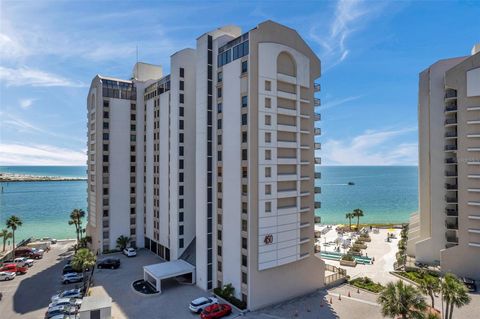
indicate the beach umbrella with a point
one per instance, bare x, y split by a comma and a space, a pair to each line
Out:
391, 230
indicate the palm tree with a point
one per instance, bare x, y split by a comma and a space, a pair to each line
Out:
76, 219
349, 216
399, 299
83, 260
13, 222
430, 285
358, 213
122, 242
455, 294
5, 234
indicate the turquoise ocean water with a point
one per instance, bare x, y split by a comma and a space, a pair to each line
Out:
385, 194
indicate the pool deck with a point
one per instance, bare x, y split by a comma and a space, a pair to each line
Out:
383, 252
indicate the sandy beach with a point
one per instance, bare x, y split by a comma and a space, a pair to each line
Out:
10, 177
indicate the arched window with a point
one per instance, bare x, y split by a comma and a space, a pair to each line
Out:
286, 64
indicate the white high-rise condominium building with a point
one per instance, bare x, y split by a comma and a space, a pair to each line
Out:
446, 231
214, 163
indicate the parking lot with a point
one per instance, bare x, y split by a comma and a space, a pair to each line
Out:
127, 303
28, 296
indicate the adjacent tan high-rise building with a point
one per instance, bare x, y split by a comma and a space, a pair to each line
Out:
446, 231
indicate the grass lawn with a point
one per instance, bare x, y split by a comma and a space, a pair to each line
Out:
367, 284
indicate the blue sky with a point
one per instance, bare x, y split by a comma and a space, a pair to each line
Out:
371, 54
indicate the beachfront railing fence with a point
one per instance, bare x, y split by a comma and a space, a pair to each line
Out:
339, 275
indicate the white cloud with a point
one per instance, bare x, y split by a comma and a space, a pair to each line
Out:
17, 154
26, 103
329, 104
27, 76
349, 16
371, 148
10, 48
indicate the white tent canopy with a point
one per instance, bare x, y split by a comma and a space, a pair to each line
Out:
166, 270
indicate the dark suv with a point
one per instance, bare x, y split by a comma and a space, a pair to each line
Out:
470, 283
112, 263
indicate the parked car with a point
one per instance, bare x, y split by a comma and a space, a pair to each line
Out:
112, 263
60, 310
216, 311
70, 293
50, 239
67, 269
23, 261
470, 283
201, 303
66, 302
62, 316
28, 252
72, 277
14, 268
130, 252
7, 275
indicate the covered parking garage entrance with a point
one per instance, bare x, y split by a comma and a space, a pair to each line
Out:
170, 269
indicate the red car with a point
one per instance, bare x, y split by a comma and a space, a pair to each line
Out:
14, 268
216, 311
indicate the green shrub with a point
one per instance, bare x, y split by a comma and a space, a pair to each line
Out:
367, 284
227, 293
348, 257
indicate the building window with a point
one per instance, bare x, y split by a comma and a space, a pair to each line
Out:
181, 124
219, 156
105, 191
219, 234
244, 119
244, 260
132, 107
219, 250
244, 189
219, 139
268, 120
182, 99
133, 138
219, 124
105, 136
132, 117
180, 230
180, 190
180, 217
244, 101
268, 207
219, 92
105, 125
105, 147
180, 243
182, 85
244, 225
219, 108
106, 114
244, 278
268, 189
268, 137
244, 155
268, 102
244, 66
268, 155
244, 243
182, 72
180, 164
244, 137
180, 151
105, 158
219, 77
181, 111
244, 172
219, 266
180, 203
180, 137
268, 85
268, 172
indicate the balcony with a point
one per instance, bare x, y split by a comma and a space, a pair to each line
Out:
318, 146
318, 175
450, 186
318, 160
451, 212
317, 131
451, 134
317, 87
450, 148
450, 108
451, 225
318, 205
317, 117
451, 238
451, 121
451, 199
318, 190
285, 193
286, 177
286, 128
316, 102
451, 160
450, 93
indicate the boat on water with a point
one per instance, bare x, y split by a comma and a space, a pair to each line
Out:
351, 183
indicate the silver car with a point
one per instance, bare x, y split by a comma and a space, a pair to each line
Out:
72, 277
6, 275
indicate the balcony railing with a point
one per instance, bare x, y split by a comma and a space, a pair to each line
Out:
318, 175
450, 186
449, 93
451, 238
450, 121
318, 205
451, 225
451, 199
450, 108
451, 134
317, 117
317, 102
318, 190
450, 174
318, 160
317, 87
318, 146
451, 160
450, 147
452, 212
318, 131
